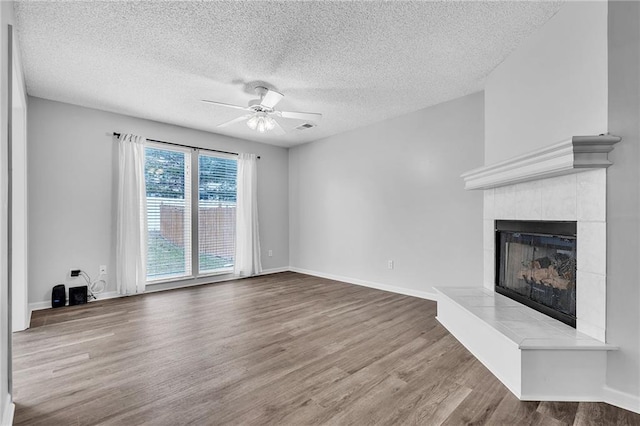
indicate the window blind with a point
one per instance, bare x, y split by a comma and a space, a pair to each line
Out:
216, 212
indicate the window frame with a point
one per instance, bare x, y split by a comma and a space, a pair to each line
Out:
188, 164
195, 238
194, 177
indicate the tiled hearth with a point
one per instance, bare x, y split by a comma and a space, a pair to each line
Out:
528, 328
535, 356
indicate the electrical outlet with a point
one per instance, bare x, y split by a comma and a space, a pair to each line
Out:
270, 253
103, 269
390, 264
74, 272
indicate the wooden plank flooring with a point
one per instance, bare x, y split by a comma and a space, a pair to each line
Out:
286, 349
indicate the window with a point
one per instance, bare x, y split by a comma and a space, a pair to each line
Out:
216, 212
173, 236
168, 184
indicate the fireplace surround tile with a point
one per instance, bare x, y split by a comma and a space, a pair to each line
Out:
528, 201
592, 330
522, 325
505, 201
592, 247
591, 190
559, 198
584, 194
489, 269
591, 292
488, 204
488, 234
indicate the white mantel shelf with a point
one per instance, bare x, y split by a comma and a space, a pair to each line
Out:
580, 153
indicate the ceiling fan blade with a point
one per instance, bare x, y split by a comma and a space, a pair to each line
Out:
304, 116
271, 99
234, 121
225, 105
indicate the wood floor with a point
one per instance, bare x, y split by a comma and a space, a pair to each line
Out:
284, 349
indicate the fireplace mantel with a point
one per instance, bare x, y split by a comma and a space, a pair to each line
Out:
580, 153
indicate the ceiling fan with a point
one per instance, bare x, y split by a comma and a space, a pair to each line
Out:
262, 115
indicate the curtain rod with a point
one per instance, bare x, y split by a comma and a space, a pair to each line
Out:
117, 135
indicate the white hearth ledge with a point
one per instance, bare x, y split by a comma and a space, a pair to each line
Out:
537, 357
580, 153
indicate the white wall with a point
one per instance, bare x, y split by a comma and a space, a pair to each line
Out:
72, 166
579, 75
553, 87
623, 204
392, 191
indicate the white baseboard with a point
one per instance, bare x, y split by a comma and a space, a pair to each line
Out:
385, 287
622, 399
9, 411
370, 284
274, 270
36, 306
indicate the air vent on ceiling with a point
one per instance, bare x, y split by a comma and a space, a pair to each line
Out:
305, 126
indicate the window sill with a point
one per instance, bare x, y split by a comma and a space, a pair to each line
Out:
227, 271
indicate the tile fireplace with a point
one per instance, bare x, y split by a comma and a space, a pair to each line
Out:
545, 235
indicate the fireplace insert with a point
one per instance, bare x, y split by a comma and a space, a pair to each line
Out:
536, 266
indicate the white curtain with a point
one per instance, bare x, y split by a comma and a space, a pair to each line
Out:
131, 244
247, 256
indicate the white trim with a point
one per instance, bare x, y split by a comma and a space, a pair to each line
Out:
164, 146
378, 286
174, 278
182, 284
9, 411
274, 271
560, 398
204, 281
37, 306
621, 399
19, 245
577, 154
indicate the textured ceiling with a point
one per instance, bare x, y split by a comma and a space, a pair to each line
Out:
355, 62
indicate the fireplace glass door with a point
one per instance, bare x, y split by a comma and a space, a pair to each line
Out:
536, 265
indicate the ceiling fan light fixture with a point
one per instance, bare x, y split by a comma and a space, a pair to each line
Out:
261, 122
270, 123
252, 123
261, 127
